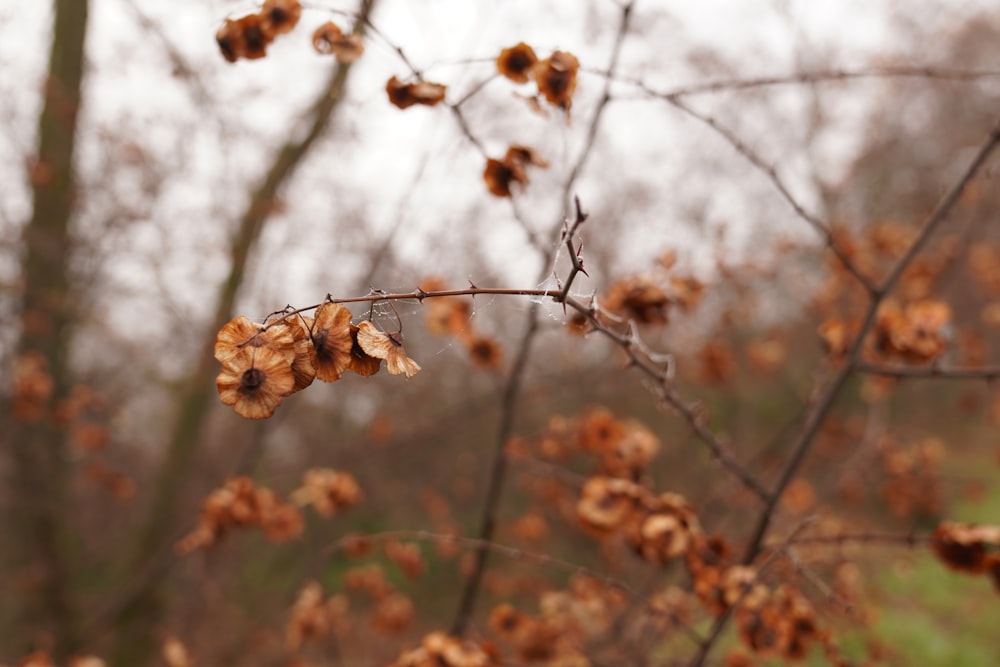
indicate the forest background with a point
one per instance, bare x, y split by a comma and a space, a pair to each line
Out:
740, 412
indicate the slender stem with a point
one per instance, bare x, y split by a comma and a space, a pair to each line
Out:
771, 173
932, 372
498, 473
514, 381
804, 442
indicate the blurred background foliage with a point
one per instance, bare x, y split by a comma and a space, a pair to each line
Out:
183, 215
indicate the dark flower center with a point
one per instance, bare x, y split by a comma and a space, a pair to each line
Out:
319, 339
255, 38
252, 379
519, 61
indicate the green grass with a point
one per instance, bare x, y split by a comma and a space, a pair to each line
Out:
932, 616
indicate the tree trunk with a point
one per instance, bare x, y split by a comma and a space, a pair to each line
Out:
42, 551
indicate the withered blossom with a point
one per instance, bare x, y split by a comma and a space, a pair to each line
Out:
382, 345
329, 39
243, 38
279, 16
331, 338
556, 78
516, 62
404, 95
254, 381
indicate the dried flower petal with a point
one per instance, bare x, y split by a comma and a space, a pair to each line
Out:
329, 39
524, 155
240, 333
382, 345
331, 337
361, 363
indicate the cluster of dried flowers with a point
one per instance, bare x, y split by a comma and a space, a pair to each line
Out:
913, 484
366, 591
451, 316
264, 363
616, 505
249, 36
315, 617
969, 548
440, 650
242, 504
567, 621
911, 327
648, 298
554, 76
917, 332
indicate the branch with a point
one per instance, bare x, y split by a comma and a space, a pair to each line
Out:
988, 373
907, 539
826, 76
513, 385
772, 175
498, 474
803, 444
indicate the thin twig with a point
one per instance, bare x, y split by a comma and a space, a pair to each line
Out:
720, 622
498, 473
512, 388
348, 542
772, 175
814, 420
900, 539
821, 76
987, 373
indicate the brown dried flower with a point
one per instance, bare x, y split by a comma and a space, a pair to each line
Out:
243, 38
327, 490
328, 39
361, 363
404, 95
966, 547
500, 174
241, 333
382, 345
406, 556
485, 352
516, 62
254, 381
279, 16
556, 78
331, 338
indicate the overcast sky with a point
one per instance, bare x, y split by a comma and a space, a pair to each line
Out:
209, 137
